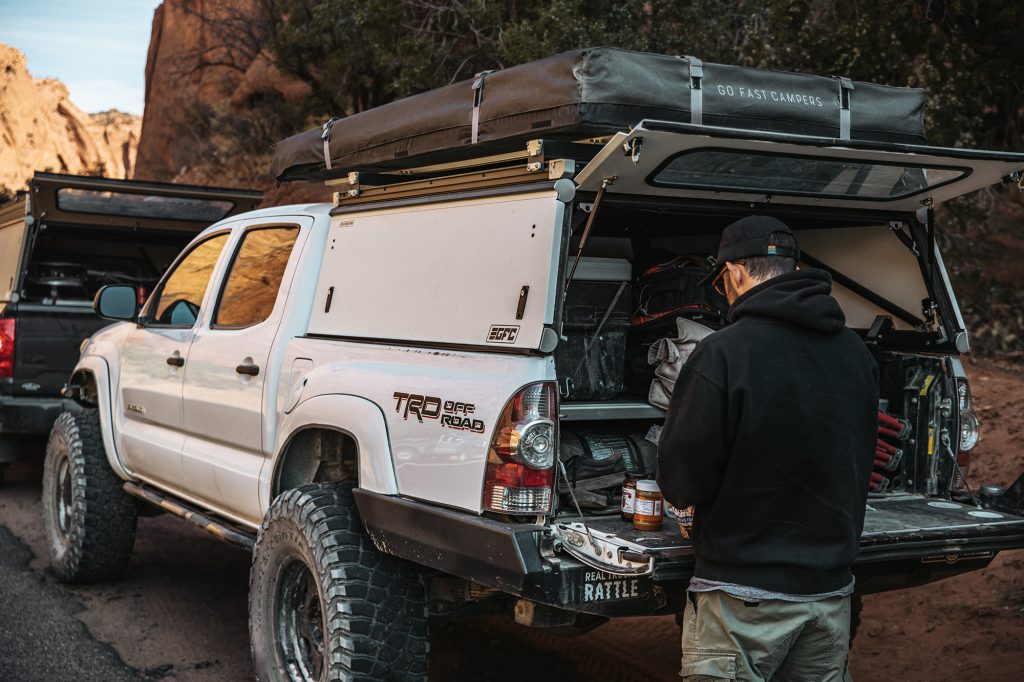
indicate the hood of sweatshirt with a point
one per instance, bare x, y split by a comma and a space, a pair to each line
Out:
803, 298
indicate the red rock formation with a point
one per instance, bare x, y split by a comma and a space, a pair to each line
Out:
187, 33
41, 129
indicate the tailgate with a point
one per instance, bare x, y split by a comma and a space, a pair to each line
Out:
911, 537
934, 530
46, 346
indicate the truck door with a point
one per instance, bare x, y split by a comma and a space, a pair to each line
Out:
153, 365
230, 366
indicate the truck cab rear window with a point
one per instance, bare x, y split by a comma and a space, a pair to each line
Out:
251, 288
73, 199
732, 170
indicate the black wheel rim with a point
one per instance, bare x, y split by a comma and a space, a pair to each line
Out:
63, 500
300, 624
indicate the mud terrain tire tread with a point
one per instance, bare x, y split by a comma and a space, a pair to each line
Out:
101, 527
374, 604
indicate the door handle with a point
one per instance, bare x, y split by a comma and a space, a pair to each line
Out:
176, 361
251, 370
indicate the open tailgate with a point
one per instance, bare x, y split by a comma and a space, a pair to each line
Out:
904, 536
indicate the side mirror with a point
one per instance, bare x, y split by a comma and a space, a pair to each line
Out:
116, 302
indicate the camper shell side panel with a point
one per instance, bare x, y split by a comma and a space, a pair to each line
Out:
486, 270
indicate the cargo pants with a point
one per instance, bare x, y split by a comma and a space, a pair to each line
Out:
725, 638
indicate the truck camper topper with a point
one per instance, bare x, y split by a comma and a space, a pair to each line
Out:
595, 92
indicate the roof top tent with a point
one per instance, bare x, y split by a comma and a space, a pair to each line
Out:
591, 93
677, 148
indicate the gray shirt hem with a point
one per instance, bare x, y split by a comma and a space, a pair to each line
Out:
747, 593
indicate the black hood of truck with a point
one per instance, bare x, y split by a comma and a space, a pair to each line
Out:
802, 297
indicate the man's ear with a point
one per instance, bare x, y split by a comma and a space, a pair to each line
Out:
737, 272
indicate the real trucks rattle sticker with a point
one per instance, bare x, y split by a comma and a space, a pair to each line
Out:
503, 333
452, 414
600, 586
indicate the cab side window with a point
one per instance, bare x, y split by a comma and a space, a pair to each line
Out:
252, 283
177, 304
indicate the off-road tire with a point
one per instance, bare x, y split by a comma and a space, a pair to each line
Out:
364, 611
88, 518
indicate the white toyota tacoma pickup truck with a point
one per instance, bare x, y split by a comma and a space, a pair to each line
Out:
375, 395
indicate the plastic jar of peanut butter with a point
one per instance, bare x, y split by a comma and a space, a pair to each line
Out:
649, 508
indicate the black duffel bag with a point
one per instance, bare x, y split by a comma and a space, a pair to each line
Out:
673, 288
665, 292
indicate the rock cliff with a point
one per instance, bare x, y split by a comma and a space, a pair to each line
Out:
204, 71
42, 129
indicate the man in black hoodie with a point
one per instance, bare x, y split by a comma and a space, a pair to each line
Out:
770, 434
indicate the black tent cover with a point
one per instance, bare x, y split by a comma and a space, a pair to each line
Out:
593, 92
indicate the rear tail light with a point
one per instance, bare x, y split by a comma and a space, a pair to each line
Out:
970, 428
6, 348
521, 461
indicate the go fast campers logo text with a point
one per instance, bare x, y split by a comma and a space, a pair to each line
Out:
453, 414
770, 95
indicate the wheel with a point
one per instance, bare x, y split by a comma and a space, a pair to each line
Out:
88, 519
324, 604
3, 473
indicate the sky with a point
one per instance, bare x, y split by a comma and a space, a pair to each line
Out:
96, 47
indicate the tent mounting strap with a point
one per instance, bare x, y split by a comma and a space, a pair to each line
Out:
845, 88
326, 137
696, 69
478, 97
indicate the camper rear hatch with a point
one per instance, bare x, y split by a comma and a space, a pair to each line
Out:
80, 200
665, 159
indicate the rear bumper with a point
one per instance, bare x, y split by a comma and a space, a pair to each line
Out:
517, 559
520, 559
30, 416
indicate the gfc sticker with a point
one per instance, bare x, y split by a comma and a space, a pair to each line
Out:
503, 333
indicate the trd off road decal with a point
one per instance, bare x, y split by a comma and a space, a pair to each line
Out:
503, 333
452, 414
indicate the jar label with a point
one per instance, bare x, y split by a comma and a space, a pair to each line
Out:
648, 507
628, 499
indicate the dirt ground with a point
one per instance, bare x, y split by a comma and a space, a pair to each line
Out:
180, 612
